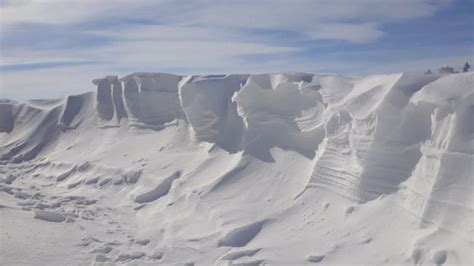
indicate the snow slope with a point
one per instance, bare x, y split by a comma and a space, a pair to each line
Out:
287, 168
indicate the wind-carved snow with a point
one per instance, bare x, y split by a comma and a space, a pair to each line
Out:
269, 106
278, 168
440, 189
372, 137
207, 103
161, 190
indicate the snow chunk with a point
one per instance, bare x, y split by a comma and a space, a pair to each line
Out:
48, 216
161, 190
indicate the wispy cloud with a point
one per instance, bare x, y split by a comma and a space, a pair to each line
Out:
357, 33
33, 66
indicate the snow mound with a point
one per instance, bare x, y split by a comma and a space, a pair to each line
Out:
283, 168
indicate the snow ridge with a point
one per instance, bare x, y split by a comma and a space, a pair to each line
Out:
226, 161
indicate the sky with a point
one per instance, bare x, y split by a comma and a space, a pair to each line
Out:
53, 48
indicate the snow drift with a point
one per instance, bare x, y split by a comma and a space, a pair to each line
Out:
270, 168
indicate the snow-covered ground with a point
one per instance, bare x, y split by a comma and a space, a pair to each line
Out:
284, 169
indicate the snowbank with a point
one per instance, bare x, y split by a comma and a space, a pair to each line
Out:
282, 168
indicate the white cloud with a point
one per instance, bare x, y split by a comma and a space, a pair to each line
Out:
68, 11
186, 53
153, 53
303, 16
356, 33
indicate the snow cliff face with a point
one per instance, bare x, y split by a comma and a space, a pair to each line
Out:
402, 140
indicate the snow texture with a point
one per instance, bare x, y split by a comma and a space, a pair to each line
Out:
285, 168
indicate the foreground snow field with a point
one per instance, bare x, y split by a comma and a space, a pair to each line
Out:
288, 169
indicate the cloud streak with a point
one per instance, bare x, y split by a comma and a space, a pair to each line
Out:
33, 66
356, 33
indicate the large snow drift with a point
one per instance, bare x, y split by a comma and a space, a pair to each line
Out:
272, 168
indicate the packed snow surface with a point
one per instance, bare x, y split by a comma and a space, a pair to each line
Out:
289, 168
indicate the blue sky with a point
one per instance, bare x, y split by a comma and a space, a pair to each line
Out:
54, 48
